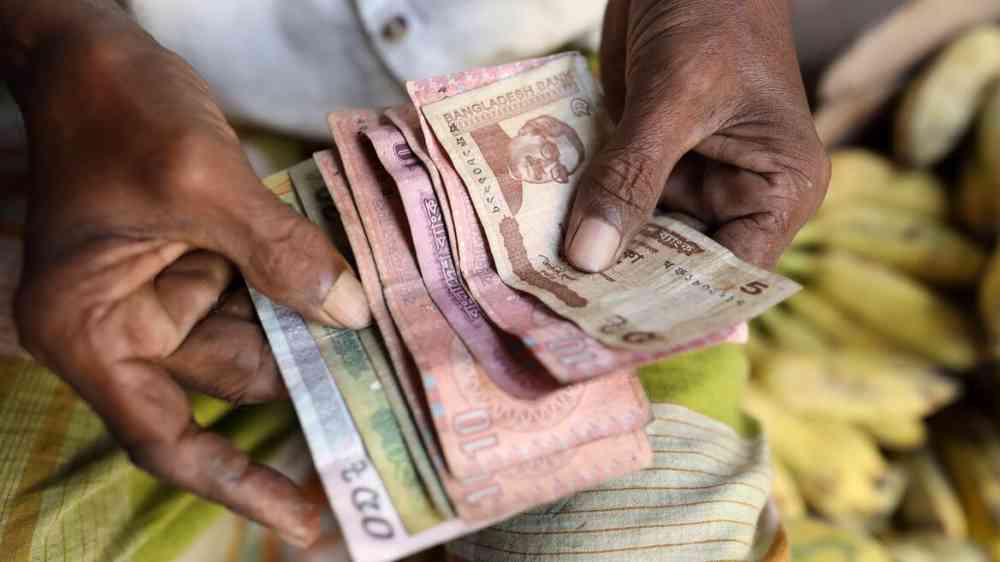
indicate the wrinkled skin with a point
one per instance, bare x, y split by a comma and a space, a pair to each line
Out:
712, 122
142, 204
143, 208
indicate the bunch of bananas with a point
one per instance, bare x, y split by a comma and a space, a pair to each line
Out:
900, 310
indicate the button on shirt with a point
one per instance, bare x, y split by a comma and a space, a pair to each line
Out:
285, 64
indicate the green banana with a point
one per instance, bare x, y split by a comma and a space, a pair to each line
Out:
923, 247
899, 308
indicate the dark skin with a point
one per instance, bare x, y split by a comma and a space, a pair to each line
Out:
143, 208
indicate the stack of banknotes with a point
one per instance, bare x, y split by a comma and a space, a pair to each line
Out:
496, 377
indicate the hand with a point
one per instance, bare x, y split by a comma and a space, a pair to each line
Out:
712, 121
143, 202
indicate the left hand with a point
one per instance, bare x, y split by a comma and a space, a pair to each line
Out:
712, 121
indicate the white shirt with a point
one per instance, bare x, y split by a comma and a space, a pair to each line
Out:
285, 64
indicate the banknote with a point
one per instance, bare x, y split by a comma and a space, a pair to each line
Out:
488, 496
315, 198
347, 360
406, 376
481, 426
372, 526
520, 145
561, 346
503, 358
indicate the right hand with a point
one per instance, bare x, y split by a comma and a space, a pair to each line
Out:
142, 204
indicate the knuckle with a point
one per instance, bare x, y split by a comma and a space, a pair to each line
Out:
188, 163
623, 182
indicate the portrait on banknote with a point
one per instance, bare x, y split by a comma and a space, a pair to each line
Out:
544, 150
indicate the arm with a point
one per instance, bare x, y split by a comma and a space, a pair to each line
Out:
141, 210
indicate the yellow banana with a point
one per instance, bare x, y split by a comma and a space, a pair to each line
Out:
932, 547
989, 303
856, 386
979, 196
939, 106
897, 433
988, 142
812, 540
785, 493
931, 503
838, 326
860, 176
899, 308
791, 333
923, 247
838, 468
970, 449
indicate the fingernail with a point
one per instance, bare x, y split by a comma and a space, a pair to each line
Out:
346, 302
594, 247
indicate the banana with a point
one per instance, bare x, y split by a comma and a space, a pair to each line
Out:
930, 503
988, 141
899, 308
859, 176
979, 196
835, 324
838, 468
759, 347
989, 304
797, 263
858, 387
970, 449
897, 433
923, 247
791, 333
785, 493
812, 540
931, 547
938, 107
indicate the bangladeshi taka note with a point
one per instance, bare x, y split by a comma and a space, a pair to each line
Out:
520, 145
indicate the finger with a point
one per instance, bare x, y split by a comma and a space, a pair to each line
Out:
759, 215
150, 416
280, 253
190, 287
238, 305
227, 357
622, 185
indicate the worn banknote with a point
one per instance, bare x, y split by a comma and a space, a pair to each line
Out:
520, 145
489, 492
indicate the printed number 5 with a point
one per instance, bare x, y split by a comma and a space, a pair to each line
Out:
754, 287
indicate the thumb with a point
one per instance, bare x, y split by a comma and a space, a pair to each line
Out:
620, 188
289, 259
